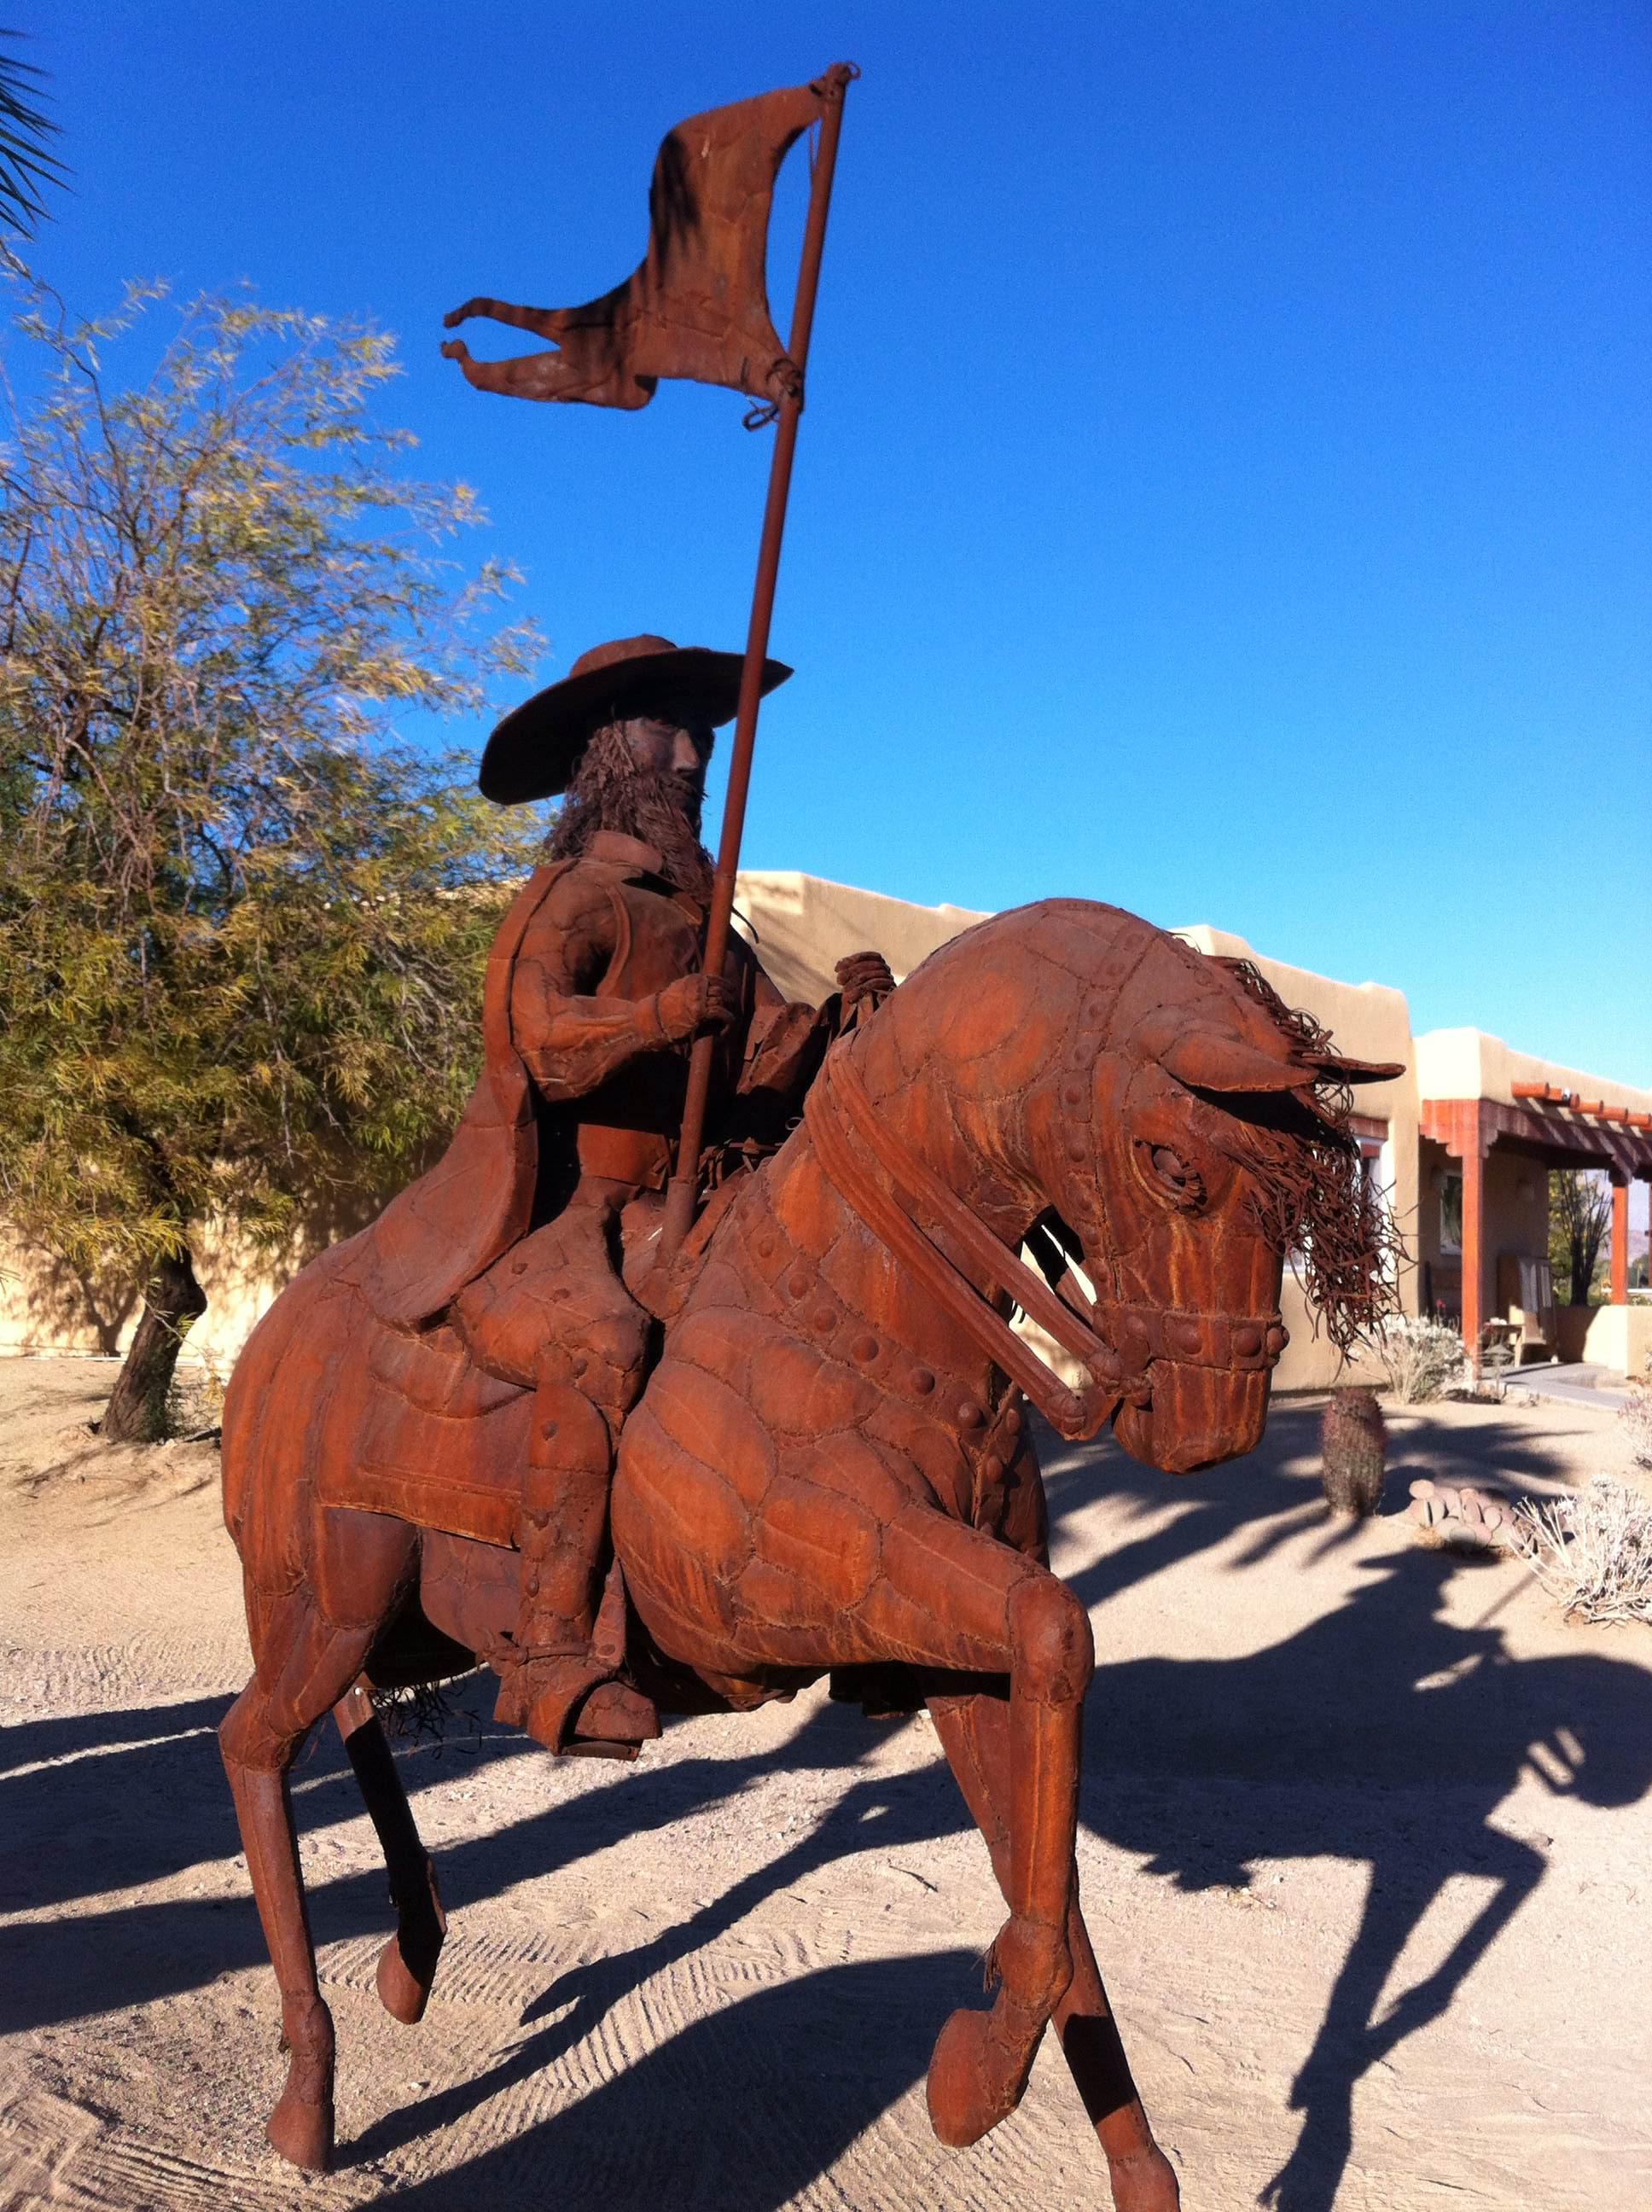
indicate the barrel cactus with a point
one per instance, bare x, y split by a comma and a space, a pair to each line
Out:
1352, 1440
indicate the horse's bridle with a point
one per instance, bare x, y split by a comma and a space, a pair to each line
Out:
888, 1188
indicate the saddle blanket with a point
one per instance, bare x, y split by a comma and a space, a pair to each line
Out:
439, 1443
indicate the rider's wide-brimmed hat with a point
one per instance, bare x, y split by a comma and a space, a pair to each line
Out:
535, 750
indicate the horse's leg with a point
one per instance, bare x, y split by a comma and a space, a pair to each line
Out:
314, 1663
976, 1737
309, 1644
942, 1595
407, 1964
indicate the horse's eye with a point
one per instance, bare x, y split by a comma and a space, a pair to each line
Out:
1170, 1173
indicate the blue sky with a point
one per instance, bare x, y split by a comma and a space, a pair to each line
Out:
1225, 486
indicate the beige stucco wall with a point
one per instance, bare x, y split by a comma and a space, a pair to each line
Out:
45, 1306
1619, 1337
803, 925
1469, 1064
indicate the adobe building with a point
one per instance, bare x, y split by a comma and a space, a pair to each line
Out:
1494, 1121
1459, 1145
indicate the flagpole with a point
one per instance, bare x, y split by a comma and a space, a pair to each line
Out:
682, 1190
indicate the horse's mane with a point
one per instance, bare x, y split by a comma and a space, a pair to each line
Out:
1313, 1201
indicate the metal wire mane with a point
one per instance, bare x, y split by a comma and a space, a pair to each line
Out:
1313, 1201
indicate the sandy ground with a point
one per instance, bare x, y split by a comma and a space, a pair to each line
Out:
1365, 1853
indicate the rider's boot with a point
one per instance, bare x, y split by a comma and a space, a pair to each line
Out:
562, 1687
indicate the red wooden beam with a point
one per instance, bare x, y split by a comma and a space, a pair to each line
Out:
1474, 1231
1549, 1094
1544, 1092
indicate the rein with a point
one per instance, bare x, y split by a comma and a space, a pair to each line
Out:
887, 1188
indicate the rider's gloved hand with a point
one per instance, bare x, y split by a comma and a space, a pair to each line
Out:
864, 976
695, 1003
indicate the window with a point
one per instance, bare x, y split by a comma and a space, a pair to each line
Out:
1451, 1215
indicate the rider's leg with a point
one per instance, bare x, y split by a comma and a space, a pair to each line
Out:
554, 1313
562, 1536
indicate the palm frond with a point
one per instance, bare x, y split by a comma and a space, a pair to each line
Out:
26, 163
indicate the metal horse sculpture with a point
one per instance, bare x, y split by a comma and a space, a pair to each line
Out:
831, 1468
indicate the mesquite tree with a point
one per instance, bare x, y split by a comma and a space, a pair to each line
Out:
1580, 1213
242, 926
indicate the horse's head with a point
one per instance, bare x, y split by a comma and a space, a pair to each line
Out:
1198, 1135
1167, 1122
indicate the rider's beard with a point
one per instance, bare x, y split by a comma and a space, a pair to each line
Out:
611, 791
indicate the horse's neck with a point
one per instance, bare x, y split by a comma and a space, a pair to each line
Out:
962, 1142
921, 1113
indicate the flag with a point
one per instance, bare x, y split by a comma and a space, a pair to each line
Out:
698, 305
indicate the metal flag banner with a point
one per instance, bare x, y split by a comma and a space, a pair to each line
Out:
698, 305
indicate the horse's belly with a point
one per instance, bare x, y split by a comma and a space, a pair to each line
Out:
471, 1592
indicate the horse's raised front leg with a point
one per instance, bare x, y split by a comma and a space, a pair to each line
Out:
407, 1964
947, 1596
975, 1734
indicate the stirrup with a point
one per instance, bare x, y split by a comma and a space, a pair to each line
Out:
571, 1703
615, 1722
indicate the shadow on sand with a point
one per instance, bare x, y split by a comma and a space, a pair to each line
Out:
1382, 1731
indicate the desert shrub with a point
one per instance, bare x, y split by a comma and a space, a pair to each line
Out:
1637, 1418
1593, 1551
1420, 1357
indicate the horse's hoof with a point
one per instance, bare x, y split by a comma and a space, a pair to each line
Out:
969, 2089
407, 1964
401, 1993
1146, 2181
303, 2131
302, 2126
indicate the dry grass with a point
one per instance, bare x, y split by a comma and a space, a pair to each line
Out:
1593, 1551
195, 1402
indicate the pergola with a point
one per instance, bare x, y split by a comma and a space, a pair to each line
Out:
1556, 1128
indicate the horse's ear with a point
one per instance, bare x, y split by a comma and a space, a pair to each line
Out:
1216, 1060
1332, 1064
